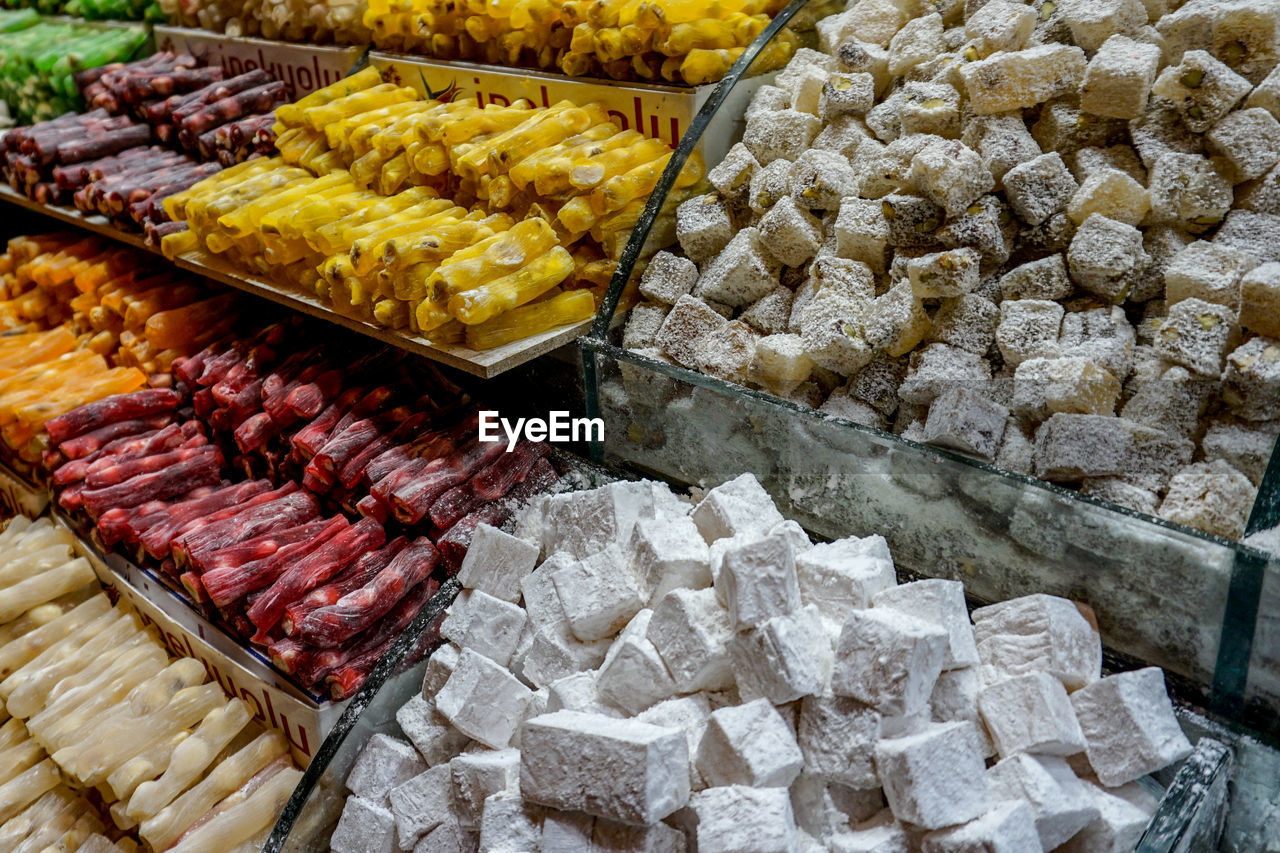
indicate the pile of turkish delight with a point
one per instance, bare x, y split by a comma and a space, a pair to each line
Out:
628, 671
1046, 234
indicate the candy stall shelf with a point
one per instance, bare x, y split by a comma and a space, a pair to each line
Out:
485, 364
20, 496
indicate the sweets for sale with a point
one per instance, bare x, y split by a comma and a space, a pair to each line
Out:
658, 41
366, 483
434, 217
94, 701
285, 20
38, 63
622, 657
1027, 236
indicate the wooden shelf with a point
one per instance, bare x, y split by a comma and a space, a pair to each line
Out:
485, 364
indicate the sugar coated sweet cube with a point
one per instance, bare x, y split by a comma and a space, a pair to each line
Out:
494, 627
784, 659
967, 322
1045, 278
781, 362
1070, 447
703, 226
1119, 77
1206, 271
1106, 256
742, 272
741, 819
478, 776
1256, 234
1038, 633
1212, 496
938, 367
951, 175
1002, 141
918, 40
780, 134
666, 554
384, 763
1111, 193
846, 94
634, 676
1251, 383
1202, 88
1248, 141
421, 804
1028, 328
496, 562
623, 770
749, 744
599, 595
689, 320
365, 827
819, 179
1260, 300
950, 273
1000, 25
1018, 79
933, 778
1006, 826
1072, 384
966, 420
792, 234
1129, 726
1196, 334
1186, 189
941, 602
930, 108
727, 352
769, 184
737, 507
1118, 826
843, 576
912, 220
732, 176
1092, 22
1040, 187
757, 580
1060, 803
807, 89
1030, 713
837, 736
483, 700
889, 660
668, 277
643, 323
769, 314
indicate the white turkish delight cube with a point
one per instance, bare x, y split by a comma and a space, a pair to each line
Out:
838, 737
842, 576
740, 819
1060, 802
736, 507
1030, 713
749, 744
784, 659
622, 770
478, 776
1202, 88
889, 660
934, 778
1007, 826
483, 700
384, 763
691, 630
599, 595
942, 602
1038, 632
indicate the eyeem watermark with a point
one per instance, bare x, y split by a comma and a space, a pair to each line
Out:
557, 427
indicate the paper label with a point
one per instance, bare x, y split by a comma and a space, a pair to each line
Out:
303, 68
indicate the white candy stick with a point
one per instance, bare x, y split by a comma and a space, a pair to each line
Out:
35, 563
20, 825
54, 729
87, 824
23, 649
18, 758
29, 696
245, 819
12, 733
109, 687
190, 759
14, 529
177, 817
101, 664
147, 765
106, 749
49, 830
45, 587
68, 645
26, 787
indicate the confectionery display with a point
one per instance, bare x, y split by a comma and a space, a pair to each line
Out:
454, 222
1043, 239
953, 329
628, 670
105, 732
38, 60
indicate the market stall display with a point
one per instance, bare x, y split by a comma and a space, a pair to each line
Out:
106, 733
630, 668
962, 227
38, 63
104, 161
439, 218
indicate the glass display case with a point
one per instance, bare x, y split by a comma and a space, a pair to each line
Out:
1204, 607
